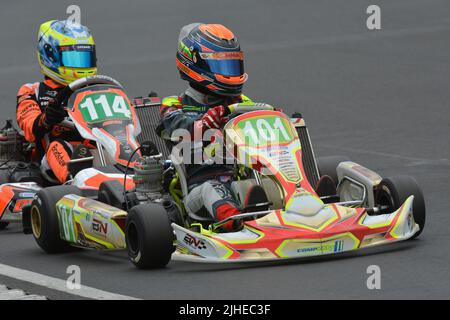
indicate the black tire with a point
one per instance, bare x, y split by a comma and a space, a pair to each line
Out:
394, 191
4, 176
149, 236
44, 219
327, 166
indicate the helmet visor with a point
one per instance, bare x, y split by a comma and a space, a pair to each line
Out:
78, 56
224, 63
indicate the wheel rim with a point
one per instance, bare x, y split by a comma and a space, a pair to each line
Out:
36, 224
133, 242
384, 198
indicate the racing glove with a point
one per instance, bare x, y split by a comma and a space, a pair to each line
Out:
53, 114
215, 117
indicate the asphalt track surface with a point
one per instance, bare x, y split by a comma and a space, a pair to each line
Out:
380, 97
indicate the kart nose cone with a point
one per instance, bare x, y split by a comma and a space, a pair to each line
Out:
304, 203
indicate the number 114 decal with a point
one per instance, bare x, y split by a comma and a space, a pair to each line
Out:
101, 109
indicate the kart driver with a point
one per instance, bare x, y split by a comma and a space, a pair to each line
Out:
210, 59
65, 52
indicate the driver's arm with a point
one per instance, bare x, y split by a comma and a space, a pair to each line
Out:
172, 116
30, 117
28, 112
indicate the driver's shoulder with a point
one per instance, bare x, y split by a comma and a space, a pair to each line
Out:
28, 88
31, 88
171, 101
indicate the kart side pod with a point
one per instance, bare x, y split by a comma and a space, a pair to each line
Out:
89, 223
357, 183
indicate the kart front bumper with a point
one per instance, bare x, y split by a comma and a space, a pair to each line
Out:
259, 242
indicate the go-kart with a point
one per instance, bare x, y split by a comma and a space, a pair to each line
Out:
312, 206
110, 128
20, 178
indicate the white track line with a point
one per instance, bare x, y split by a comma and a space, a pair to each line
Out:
59, 284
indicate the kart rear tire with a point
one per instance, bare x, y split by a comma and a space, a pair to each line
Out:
4, 225
395, 190
44, 218
327, 166
4, 178
149, 236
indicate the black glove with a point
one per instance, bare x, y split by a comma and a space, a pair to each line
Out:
54, 114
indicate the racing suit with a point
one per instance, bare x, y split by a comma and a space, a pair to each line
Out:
209, 190
54, 144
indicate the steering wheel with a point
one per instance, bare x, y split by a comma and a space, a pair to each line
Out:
65, 93
239, 108
235, 110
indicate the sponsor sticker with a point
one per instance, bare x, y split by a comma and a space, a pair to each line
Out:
99, 227
194, 242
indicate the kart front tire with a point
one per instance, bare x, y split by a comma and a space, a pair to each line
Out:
394, 191
327, 166
149, 236
44, 218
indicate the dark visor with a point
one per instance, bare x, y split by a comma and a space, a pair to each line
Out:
226, 67
224, 63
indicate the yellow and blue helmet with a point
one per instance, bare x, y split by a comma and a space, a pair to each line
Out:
66, 51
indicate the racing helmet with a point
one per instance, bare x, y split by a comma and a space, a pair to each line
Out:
66, 51
209, 55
